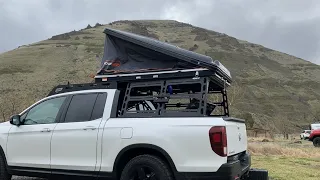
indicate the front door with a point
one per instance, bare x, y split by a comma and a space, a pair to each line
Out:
74, 140
28, 145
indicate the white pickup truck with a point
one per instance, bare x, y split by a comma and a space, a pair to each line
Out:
159, 130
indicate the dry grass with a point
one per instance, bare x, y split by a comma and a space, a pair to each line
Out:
285, 159
275, 149
259, 139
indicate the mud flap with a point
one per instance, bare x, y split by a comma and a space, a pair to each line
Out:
258, 174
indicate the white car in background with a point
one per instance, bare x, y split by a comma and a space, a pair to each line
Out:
305, 134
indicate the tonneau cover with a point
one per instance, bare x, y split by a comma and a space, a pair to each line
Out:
126, 52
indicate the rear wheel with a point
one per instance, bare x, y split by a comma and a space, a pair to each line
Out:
146, 167
4, 175
316, 142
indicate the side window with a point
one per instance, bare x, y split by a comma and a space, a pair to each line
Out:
81, 107
99, 106
44, 113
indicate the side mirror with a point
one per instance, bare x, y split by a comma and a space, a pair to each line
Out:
15, 120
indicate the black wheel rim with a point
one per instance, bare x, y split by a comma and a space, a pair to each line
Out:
143, 173
317, 142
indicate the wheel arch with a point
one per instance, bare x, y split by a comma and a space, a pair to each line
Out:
127, 153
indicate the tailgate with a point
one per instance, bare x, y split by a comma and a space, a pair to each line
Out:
236, 135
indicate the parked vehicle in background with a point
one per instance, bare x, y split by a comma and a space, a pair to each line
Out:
305, 134
315, 137
315, 126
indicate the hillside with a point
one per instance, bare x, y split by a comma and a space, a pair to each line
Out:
272, 86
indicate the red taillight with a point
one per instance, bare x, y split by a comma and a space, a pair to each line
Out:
218, 140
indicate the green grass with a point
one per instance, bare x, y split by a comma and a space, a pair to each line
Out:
284, 168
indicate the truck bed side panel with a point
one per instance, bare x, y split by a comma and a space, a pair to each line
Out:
186, 140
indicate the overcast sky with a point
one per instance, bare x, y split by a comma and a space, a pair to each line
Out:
291, 26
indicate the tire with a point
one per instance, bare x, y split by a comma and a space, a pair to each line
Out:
316, 142
146, 167
4, 175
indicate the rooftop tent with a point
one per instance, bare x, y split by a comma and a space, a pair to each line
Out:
126, 52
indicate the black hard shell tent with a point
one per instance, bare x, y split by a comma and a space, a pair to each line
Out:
126, 52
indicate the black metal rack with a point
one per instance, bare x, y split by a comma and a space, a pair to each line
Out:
113, 81
80, 87
199, 86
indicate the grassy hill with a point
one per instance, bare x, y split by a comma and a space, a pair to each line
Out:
275, 88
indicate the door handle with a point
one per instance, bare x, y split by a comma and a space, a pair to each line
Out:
89, 127
46, 130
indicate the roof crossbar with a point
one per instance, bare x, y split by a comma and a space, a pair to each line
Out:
79, 87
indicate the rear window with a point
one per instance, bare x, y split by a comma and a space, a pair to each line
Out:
80, 108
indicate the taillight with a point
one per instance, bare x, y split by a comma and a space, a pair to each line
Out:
218, 140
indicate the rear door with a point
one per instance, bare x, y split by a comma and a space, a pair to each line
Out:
74, 140
236, 135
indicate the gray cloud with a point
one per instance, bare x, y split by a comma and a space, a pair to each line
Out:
289, 26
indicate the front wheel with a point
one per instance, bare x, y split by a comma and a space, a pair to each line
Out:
146, 167
4, 175
316, 142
